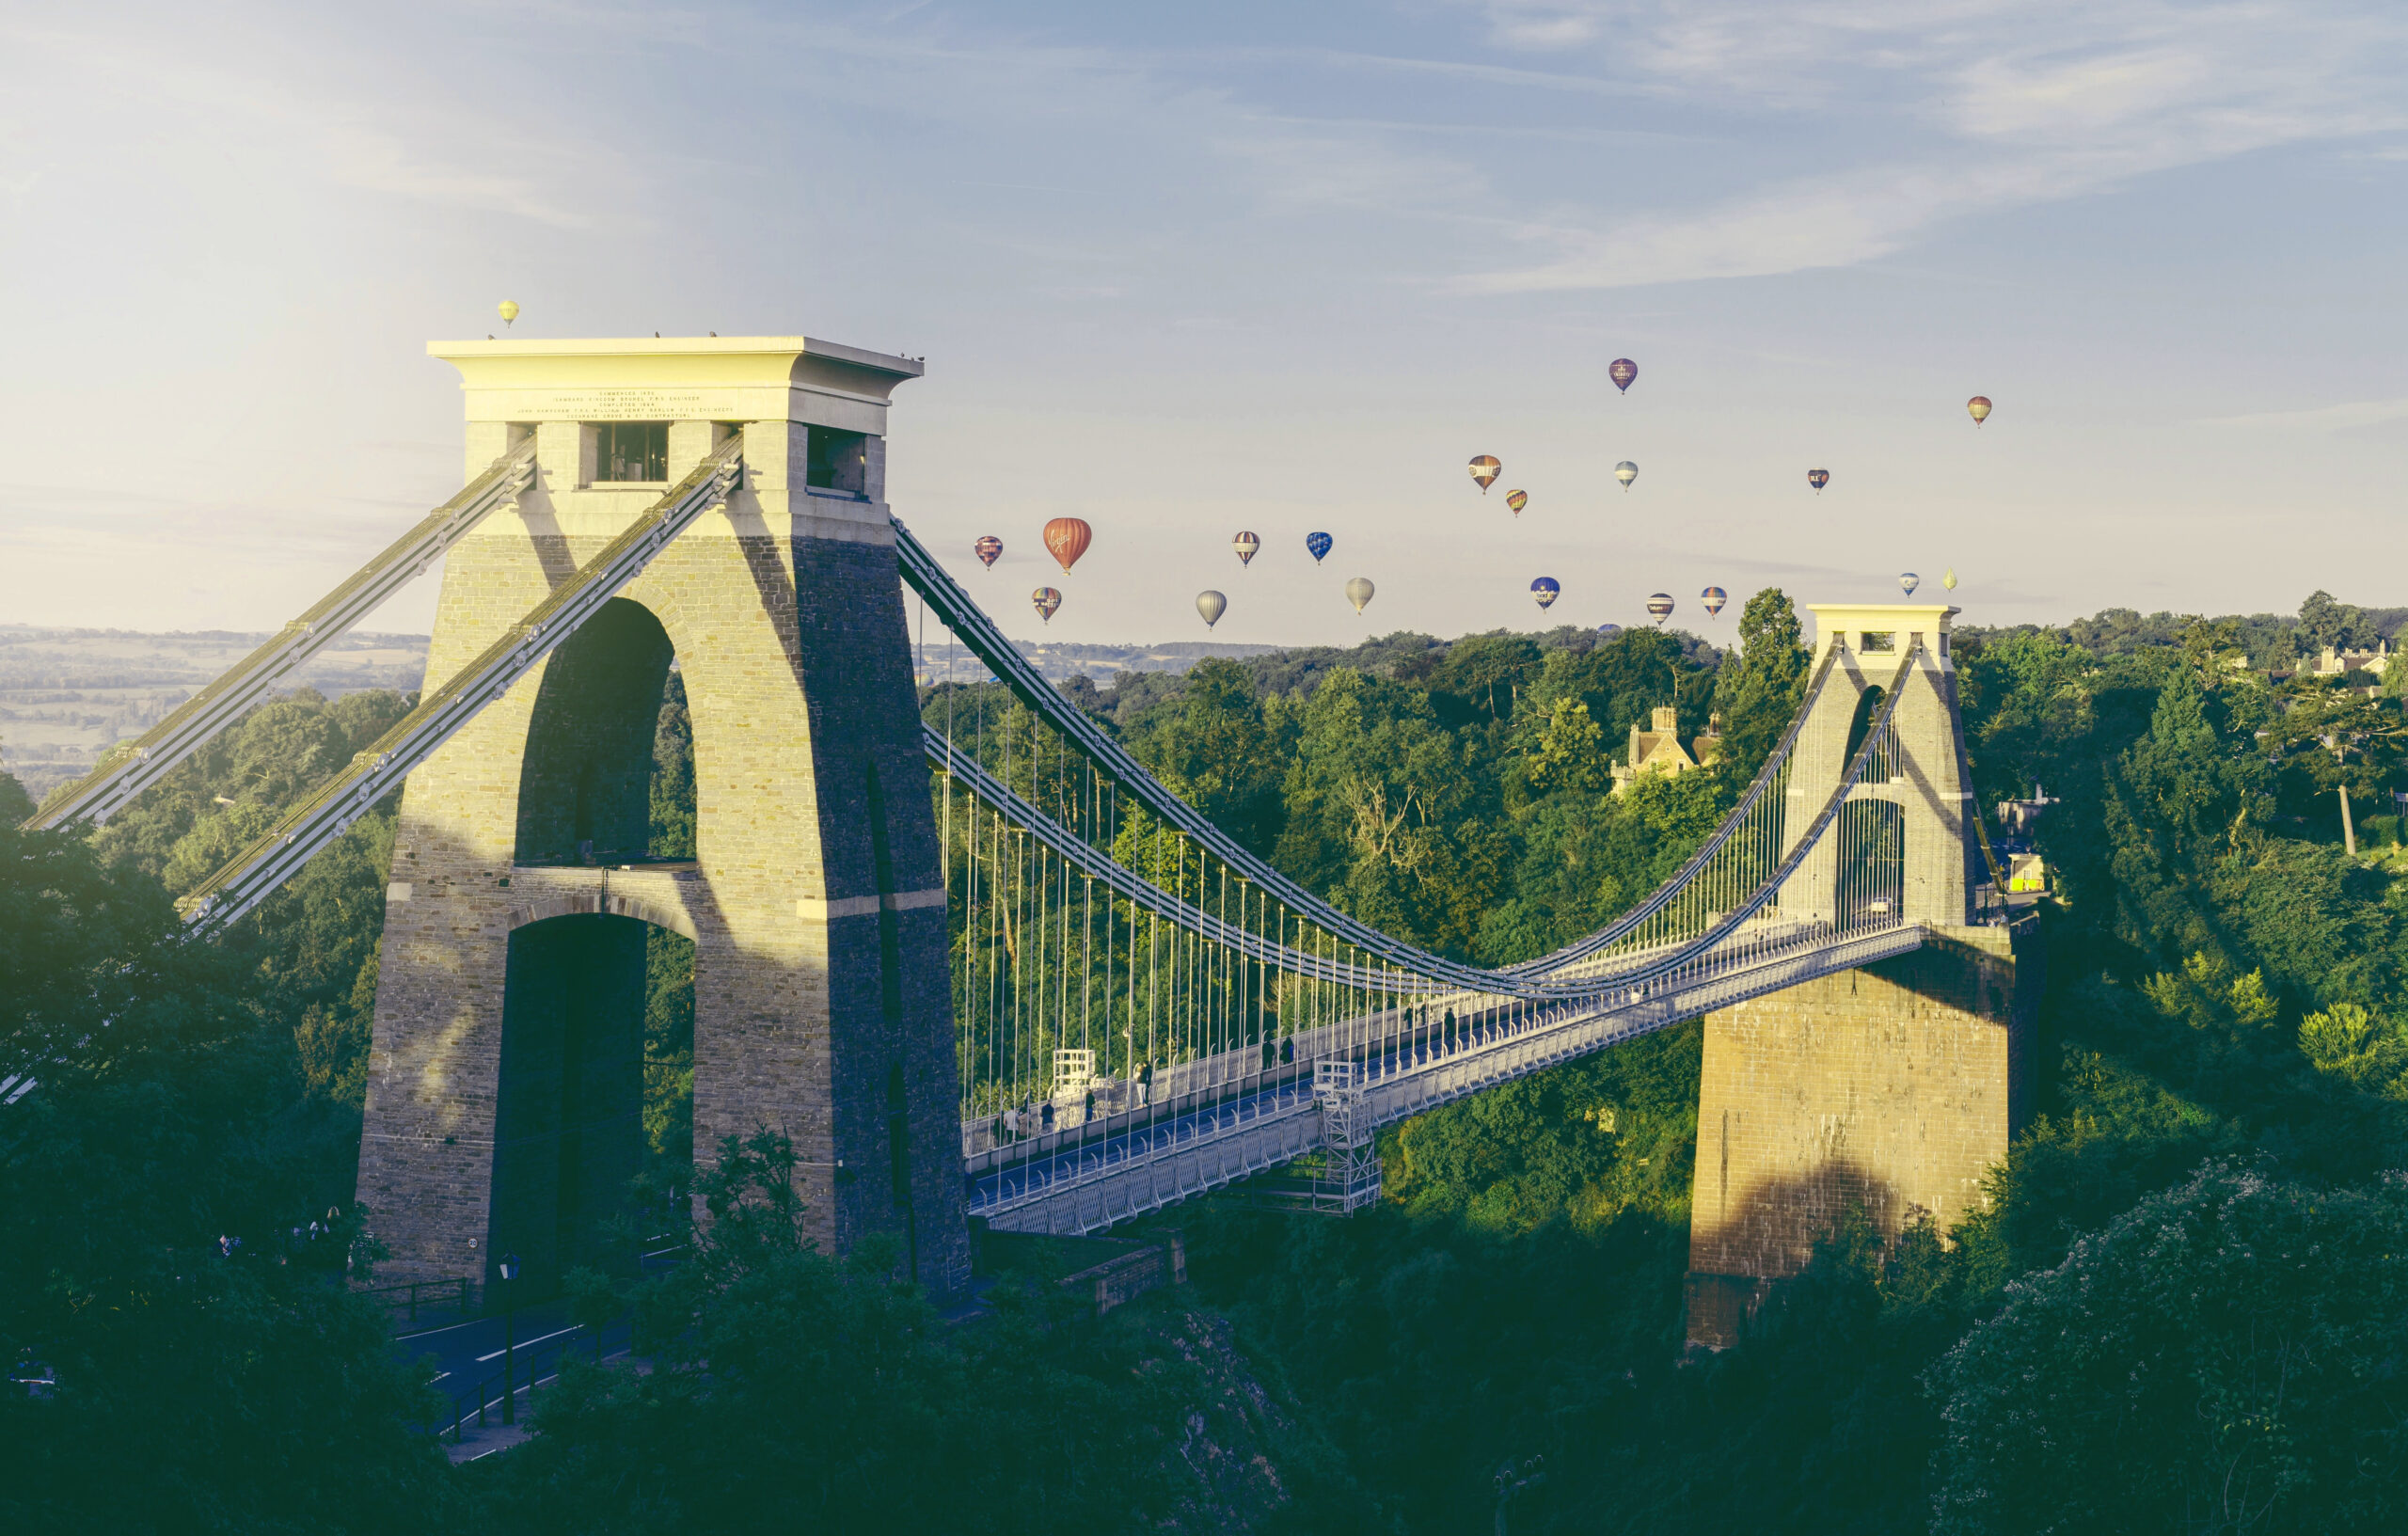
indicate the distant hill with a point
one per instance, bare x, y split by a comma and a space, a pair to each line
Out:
1060, 663
67, 695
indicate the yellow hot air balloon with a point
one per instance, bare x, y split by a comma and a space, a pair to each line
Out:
509, 310
1948, 579
1980, 408
1359, 591
1518, 500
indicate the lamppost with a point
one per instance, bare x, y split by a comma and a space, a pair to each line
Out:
509, 1337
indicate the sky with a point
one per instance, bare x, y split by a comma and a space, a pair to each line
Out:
1181, 271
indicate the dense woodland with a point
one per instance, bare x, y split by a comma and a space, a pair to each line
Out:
2186, 1309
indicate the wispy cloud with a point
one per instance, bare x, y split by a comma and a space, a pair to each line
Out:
2322, 419
1975, 106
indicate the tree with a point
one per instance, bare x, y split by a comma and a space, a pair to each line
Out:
196, 1389
2209, 1362
1759, 691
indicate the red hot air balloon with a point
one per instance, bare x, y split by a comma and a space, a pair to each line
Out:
1712, 599
1245, 544
1047, 600
1067, 539
990, 549
1818, 478
1518, 500
1622, 372
1485, 470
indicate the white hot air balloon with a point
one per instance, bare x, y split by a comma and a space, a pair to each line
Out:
1909, 581
1625, 471
1359, 591
1211, 604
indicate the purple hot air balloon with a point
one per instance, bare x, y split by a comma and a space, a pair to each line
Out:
989, 551
1545, 590
1622, 372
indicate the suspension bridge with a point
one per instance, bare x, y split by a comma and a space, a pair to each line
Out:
972, 957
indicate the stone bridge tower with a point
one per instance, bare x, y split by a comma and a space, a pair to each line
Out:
507, 1078
1891, 1089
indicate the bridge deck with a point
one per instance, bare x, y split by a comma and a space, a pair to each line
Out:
1089, 1179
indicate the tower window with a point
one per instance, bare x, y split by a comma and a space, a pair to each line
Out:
630, 451
839, 461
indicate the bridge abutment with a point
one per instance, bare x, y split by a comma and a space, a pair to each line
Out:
1886, 1091
1883, 1092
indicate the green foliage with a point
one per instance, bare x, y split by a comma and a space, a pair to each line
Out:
196, 1392
1759, 690
789, 1388
2215, 1359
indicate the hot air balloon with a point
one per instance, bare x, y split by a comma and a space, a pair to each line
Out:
1909, 581
1818, 478
989, 551
1358, 592
1317, 544
1485, 470
1245, 544
1713, 597
1068, 538
1980, 407
508, 310
1047, 600
1625, 471
1622, 372
1546, 589
1211, 604
1518, 500
1948, 579
1608, 631
1661, 604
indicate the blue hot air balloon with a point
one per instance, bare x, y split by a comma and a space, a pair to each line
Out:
1608, 631
1546, 589
1317, 544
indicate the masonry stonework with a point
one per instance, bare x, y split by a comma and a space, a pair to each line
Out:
1892, 1089
822, 1006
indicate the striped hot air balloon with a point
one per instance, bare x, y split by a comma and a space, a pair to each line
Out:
1625, 471
1712, 599
1211, 604
1518, 500
1067, 539
989, 551
1047, 601
1546, 589
1980, 408
1317, 544
1661, 604
1247, 544
1485, 470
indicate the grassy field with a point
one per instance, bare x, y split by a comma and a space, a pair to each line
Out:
67, 695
